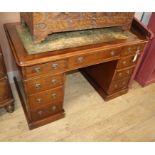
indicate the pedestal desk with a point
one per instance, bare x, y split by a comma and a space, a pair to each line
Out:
107, 66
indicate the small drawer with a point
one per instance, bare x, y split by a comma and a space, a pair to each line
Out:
132, 49
2, 69
91, 59
52, 96
5, 92
51, 67
118, 85
46, 111
43, 83
123, 73
126, 62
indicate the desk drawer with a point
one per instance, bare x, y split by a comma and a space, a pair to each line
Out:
132, 49
85, 60
46, 111
43, 83
123, 73
47, 97
126, 62
51, 67
118, 85
2, 70
4, 89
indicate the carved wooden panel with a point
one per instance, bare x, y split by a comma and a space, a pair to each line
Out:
43, 23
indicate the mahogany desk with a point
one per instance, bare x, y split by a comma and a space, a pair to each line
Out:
107, 66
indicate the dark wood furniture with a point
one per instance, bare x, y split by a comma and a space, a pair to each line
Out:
43, 23
6, 98
146, 71
107, 66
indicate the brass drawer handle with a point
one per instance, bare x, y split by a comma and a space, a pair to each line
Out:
116, 86
54, 81
37, 69
40, 112
39, 100
55, 66
112, 53
37, 85
120, 74
41, 26
54, 95
123, 83
124, 62
54, 108
136, 55
128, 72
80, 59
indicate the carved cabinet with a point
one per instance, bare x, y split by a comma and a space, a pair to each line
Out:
43, 23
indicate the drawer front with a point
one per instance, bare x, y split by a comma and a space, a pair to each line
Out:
47, 97
118, 85
5, 92
43, 83
2, 70
126, 62
123, 73
91, 59
51, 67
46, 111
132, 49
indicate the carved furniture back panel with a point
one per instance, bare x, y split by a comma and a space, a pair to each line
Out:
42, 23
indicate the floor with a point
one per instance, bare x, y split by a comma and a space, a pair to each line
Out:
130, 117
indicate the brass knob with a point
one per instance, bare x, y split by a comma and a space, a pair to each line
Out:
112, 53
128, 72
124, 62
54, 108
115, 85
123, 83
37, 69
40, 112
39, 100
54, 95
54, 81
41, 26
120, 74
55, 66
37, 85
80, 59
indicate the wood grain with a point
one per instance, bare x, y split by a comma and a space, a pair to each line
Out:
43, 23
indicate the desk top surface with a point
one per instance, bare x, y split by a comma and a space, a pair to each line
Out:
24, 59
66, 40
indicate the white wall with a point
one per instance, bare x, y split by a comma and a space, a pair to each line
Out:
143, 16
